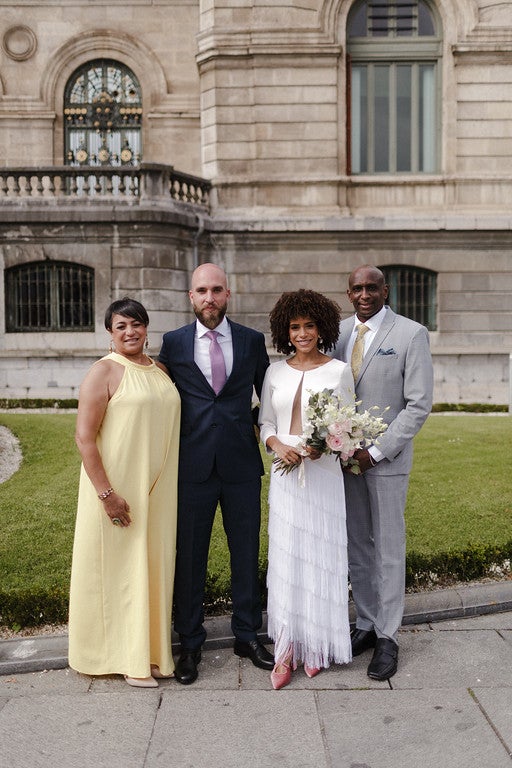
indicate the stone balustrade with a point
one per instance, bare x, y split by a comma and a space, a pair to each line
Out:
124, 183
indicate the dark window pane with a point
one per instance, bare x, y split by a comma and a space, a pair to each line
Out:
49, 296
425, 21
412, 293
381, 102
403, 118
357, 21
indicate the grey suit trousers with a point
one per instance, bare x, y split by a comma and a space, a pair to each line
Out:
376, 549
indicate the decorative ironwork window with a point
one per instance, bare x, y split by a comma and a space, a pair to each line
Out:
393, 87
49, 296
413, 292
103, 115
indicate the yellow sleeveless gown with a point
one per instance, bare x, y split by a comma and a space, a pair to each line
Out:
122, 578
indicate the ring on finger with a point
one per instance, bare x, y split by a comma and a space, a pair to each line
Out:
116, 521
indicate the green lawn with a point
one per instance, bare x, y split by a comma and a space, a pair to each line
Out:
459, 512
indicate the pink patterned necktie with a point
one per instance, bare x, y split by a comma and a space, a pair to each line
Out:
217, 362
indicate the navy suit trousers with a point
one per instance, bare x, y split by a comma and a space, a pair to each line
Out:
241, 516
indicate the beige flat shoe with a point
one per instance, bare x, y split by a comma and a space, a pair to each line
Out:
155, 671
141, 682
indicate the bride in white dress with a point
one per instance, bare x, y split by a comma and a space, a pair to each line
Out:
307, 559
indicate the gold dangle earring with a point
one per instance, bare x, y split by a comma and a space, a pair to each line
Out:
111, 347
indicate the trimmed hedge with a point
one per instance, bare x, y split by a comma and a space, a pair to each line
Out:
33, 403
33, 608
36, 403
30, 608
473, 563
468, 408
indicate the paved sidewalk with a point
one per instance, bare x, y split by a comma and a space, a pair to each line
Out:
448, 706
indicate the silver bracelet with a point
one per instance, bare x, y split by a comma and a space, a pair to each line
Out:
105, 494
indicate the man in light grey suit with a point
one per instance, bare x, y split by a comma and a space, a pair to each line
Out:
395, 373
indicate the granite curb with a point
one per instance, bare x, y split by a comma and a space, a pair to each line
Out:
44, 652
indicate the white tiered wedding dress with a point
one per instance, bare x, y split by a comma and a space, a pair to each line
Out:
307, 559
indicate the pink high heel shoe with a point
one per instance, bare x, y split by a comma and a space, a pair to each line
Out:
311, 671
281, 674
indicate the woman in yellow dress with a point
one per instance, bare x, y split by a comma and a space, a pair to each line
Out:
125, 539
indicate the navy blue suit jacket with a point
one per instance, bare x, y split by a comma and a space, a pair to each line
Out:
217, 430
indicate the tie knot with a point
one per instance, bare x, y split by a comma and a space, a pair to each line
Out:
212, 335
361, 330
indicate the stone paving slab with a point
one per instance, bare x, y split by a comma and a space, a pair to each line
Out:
232, 729
56, 681
413, 729
496, 705
78, 731
463, 658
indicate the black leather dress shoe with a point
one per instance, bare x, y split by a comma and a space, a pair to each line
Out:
361, 640
385, 660
186, 668
256, 652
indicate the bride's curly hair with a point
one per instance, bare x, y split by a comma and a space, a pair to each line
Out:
304, 303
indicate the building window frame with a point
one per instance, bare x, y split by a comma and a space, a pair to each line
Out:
103, 115
47, 296
412, 293
393, 89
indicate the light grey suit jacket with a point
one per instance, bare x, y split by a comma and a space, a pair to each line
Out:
397, 373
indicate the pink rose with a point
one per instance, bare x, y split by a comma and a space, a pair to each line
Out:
334, 442
340, 427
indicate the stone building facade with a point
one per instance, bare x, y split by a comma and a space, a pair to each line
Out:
287, 141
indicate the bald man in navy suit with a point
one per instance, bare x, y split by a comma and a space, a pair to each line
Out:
220, 462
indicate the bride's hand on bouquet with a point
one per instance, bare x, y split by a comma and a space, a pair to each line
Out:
288, 454
286, 457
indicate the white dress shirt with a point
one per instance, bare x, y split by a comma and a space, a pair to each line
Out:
202, 347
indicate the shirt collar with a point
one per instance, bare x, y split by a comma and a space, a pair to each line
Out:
223, 328
374, 322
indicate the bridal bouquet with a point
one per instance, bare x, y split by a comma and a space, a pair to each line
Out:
336, 428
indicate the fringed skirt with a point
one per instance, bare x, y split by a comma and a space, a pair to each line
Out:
307, 564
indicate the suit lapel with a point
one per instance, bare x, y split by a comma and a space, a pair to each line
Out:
187, 341
238, 338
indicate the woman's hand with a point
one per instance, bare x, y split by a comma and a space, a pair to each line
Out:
118, 510
286, 453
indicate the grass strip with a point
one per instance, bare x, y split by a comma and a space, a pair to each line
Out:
458, 513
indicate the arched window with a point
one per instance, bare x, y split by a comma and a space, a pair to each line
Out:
103, 115
393, 55
412, 293
49, 296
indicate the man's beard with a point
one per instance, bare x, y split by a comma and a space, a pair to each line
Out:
211, 318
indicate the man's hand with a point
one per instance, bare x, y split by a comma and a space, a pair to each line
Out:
362, 456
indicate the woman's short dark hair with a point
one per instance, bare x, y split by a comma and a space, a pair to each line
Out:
127, 308
305, 303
